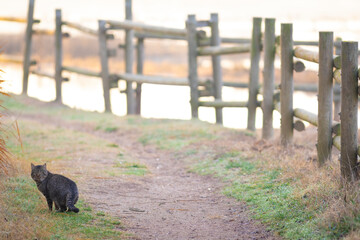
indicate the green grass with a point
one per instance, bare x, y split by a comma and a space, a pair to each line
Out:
24, 200
270, 198
175, 137
122, 167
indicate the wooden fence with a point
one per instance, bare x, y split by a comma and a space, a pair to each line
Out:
333, 72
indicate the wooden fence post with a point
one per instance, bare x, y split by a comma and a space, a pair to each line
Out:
129, 59
269, 78
192, 64
28, 41
254, 73
337, 97
58, 55
104, 64
139, 70
287, 84
325, 96
349, 110
216, 64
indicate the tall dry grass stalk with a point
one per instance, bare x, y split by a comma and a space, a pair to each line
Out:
4, 153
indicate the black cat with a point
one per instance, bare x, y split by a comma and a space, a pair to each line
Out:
56, 188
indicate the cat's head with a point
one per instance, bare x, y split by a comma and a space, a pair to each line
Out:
39, 172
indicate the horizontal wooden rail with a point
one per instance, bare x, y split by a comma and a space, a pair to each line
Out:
43, 74
235, 84
306, 116
158, 36
313, 119
138, 78
204, 41
313, 56
13, 59
44, 32
222, 104
81, 71
306, 43
13, 19
80, 28
236, 40
211, 51
143, 28
307, 55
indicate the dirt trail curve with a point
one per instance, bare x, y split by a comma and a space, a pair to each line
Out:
169, 203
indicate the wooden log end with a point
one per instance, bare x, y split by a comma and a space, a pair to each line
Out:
299, 66
337, 62
65, 35
110, 36
336, 129
299, 126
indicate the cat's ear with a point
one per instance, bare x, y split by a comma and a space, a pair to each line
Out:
44, 166
32, 166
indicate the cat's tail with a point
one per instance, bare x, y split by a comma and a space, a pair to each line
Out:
71, 199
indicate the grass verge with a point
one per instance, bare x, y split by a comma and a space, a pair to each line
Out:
26, 216
24, 213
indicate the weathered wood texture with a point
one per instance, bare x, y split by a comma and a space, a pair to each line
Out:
45, 32
43, 74
129, 59
139, 78
28, 42
325, 96
220, 103
299, 66
254, 73
14, 59
207, 51
269, 78
306, 116
192, 64
58, 55
306, 54
306, 43
287, 84
81, 28
313, 56
81, 71
143, 28
216, 65
104, 65
140, 57
349, 111
13, 19
337, 76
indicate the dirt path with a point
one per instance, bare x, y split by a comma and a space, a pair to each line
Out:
168, 203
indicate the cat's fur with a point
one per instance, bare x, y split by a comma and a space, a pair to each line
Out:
56, 188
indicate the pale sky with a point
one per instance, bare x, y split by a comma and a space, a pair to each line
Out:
308, 16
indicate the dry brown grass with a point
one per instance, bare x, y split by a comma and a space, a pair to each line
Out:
321, 189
